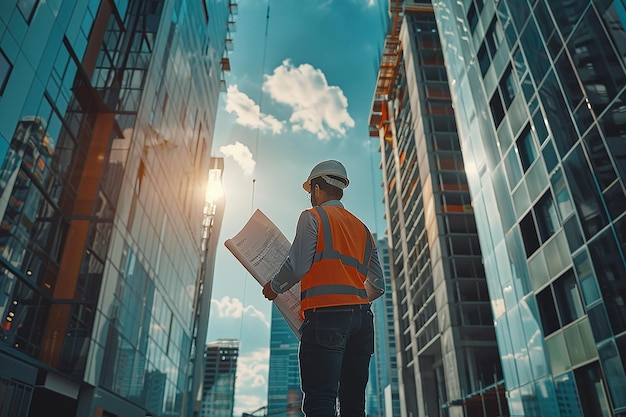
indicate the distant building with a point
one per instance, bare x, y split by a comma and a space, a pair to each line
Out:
382, 389
447, 358
107, 112
284, 396
218, 387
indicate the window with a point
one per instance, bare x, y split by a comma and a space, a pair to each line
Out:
547, 311
494, 36
591, 391
483, 59
529, 234
497, 111
547, 217
568, 298
27, 8
5, 71
508, 87
472, 18
513, 170
526, 148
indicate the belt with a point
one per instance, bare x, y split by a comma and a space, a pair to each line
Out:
344, 307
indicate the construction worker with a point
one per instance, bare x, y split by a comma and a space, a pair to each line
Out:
335, 259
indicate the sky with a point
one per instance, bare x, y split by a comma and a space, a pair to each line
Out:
299, 92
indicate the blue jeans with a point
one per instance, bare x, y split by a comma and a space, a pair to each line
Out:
335, 350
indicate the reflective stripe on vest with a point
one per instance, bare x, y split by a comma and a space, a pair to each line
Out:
340, 293
330, 252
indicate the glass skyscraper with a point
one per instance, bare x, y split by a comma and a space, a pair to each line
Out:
107, 110
382, 389
540, 97
447, 358
283, 378
218, 386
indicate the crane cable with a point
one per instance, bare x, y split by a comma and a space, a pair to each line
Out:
256, 151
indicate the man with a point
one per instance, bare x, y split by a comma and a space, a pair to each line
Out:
335, 259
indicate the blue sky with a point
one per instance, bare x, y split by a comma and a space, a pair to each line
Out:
299, 95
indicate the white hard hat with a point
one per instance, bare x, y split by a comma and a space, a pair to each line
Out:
325, 169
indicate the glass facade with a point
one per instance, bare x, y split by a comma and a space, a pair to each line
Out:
447, 358
539, 88
382, 389
107, 110
218, 387
284, 396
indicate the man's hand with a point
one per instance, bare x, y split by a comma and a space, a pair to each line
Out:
268, 292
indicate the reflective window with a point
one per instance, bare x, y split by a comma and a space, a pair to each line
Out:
27, 8
529, 234
539, 124
527, 149
614, 24
599, 157
573, 233
569, 80
587, 279
497, 111
560, 122
613, 368
599, 67
585, 193
520, 12
548, 28
513, 169
508, 87
566, 13
5, 71
568, 298
591, 391
535, 49
547, 218
615, 200
549, 156
565, 388
494, 36
613, 124
599, 323
547, 311
610, 270
472, 17
561, 193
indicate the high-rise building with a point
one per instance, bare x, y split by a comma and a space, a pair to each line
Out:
284, 396
218, 387
107, 109
447, 358
382, 390
539, 89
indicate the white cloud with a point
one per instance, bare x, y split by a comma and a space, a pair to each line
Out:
241, 154
233, 308
317, 107
251, 382
249, 113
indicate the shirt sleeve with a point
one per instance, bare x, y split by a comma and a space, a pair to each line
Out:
375, 280
300, 256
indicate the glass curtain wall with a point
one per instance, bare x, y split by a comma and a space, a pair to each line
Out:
539, 88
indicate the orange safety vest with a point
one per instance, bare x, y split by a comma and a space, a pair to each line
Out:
342, 257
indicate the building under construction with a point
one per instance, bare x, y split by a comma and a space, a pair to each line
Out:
447, 356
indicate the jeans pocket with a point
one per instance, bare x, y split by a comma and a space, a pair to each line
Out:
332, 328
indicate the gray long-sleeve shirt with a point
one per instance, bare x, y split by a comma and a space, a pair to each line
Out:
302, 252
